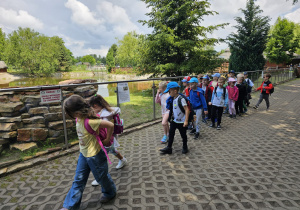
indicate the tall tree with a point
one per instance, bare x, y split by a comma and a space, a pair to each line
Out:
127, 53
2, 44
249, 42
110, 57
282, 43
178, 38
297, 34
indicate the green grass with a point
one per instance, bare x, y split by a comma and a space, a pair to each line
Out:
138, 110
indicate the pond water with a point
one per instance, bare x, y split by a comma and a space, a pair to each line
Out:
105, 90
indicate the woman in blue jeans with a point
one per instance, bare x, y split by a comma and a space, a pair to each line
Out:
92, 157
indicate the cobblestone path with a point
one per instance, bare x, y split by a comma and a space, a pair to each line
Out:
252, 163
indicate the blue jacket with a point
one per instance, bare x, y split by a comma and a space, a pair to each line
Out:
196, 101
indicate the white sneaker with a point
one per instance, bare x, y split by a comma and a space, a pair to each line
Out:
121, 163
95, 183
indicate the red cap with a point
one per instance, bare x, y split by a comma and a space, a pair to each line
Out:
187, 78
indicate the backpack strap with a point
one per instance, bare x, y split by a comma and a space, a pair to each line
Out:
94, 133
180, 104
224, 91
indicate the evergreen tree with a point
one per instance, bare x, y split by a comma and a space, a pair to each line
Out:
248, 44
110, 57
283, 41
2, 44
178, 40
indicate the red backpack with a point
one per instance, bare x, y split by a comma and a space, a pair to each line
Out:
118, 124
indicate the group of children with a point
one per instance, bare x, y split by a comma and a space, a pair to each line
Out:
202, 99
208, 101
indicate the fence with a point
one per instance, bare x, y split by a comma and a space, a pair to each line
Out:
32, 125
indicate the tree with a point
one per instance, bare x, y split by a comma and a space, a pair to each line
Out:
2, 44
282, 43
88, 58
178, 38
297, 34
248, 44
36, 54
127, 52
110, 57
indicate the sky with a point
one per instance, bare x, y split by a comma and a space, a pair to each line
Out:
92, 26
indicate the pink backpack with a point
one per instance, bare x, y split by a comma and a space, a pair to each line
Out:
101, 136
118, 124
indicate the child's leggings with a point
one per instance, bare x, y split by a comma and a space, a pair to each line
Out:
231, 106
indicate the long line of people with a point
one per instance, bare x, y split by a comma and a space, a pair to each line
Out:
207, 100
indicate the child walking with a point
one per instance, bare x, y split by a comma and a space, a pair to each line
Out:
106, 112
219, 101
265, 89
233, 94
208, 90
198, 102
239, 105
250, 85
161, 98
178, 119
91, 157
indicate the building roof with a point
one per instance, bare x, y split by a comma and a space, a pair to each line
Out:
3, 65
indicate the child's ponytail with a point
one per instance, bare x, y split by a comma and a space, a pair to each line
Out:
100, 101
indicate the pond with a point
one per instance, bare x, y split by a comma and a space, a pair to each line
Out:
105, 90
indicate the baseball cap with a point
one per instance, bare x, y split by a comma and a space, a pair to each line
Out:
186, 79
216, 75
171, 85
206, 77
232, 71
194, 79
245, 73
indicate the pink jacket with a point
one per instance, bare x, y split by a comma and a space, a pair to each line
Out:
233, 93
157, 98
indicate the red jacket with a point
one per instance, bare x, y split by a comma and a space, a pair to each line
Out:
268, 87
208, 92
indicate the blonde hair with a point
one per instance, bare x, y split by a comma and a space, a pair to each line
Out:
240, 75
163, 85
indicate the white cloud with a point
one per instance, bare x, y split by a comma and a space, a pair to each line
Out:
294, 16
78, 47
117, 17
10, 18
81, 14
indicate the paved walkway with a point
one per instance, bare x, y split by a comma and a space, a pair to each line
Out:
253, 163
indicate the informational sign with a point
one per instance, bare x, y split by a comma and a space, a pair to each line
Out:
123, 92
50, 96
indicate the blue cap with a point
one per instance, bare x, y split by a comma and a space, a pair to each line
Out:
245, 73
171, 85
232, 71
184, 80
194, 79
216, 75
206, 77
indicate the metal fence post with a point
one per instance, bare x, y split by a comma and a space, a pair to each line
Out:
118, 103
64, 119
153, 94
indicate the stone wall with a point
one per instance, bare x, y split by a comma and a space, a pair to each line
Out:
25, 121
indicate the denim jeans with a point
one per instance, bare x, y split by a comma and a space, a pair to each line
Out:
98, 165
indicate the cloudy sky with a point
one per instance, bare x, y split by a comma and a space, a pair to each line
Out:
92, 26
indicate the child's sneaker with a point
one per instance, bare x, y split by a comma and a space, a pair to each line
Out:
219, 127
255, 107
234, 116
204, 121
196, 136
166, 150
193, 131
121, 163
95, 183
212, 125
185, 150
190, 126
164, 139
230, 116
